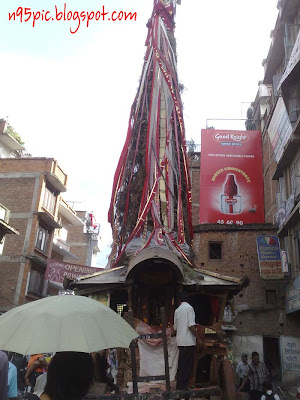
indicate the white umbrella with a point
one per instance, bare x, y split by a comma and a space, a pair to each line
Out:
63, 323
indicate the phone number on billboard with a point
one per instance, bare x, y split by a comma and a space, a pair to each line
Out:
229, 222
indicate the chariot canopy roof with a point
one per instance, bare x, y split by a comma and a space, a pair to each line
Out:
121, 276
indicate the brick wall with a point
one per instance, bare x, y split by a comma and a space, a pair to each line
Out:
25, 164
16, 193
14, 243
8, 283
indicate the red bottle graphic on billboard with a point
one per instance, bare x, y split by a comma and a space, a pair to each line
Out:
231, 177
231, 201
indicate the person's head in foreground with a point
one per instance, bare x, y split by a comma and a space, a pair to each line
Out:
70, 375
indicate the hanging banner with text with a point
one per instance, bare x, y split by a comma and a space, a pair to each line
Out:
269, 257
57, 270
231, 177
280, 129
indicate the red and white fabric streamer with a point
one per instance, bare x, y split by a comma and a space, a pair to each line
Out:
156, 130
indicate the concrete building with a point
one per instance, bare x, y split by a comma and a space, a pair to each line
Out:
266, 314
277, 114
258, 311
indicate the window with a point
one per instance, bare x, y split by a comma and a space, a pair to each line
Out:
49, 200
42, 239
215, 251
271, 298
36, 282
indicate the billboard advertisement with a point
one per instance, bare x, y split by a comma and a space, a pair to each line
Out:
269, 257
231, 177
57, 270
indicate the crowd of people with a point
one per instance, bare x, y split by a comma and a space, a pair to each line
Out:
69, 375
254, 378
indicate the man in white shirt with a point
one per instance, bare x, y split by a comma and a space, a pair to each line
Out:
184, 324
241, 371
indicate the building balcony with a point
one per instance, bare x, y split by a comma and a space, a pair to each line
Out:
62, 248
290, 221
9, 142
192, 148
5, 228
57, 178
67, 212
48, 219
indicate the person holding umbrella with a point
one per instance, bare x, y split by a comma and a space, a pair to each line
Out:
66, 325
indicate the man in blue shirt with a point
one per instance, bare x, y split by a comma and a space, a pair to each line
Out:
12, 383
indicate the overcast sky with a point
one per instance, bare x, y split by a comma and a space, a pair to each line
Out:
69, 95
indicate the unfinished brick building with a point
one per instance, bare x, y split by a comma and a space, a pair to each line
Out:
31, 188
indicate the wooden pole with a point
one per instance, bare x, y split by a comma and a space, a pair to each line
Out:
133, 359
165, 346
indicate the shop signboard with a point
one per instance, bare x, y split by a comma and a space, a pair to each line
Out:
292, 296
290, 357
231, 177
280, 129
57, 270
269, 257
